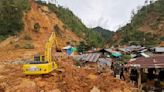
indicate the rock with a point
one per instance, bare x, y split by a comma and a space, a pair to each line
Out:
26, 85
45, 9
127, 90
60, 70
91, 76
95, 89
41, 83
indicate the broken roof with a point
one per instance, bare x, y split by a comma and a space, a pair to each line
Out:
152, 62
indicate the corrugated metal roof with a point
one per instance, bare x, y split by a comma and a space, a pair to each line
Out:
105, 61
152, 62
92, 57
159, 49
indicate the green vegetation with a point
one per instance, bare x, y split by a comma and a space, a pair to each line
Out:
151, 15
36, 27
11, 13
126, 58
2, 37
73, 23
106, 34
82, 47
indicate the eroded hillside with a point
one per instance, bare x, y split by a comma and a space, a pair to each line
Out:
29, 42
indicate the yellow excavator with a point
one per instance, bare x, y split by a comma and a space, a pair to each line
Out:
42, 64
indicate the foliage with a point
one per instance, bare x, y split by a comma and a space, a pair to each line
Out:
126, 57
151, 15
2, 38
36, 27
11, 13
73, 23
161, 38
82, 47
106, 35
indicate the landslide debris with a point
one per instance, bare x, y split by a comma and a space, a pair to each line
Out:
67, 78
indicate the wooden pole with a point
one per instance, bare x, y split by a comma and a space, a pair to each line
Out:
139, 80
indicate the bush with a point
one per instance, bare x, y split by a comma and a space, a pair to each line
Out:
162, 39
126, 57
2, 38
82, 47
36, 27
27, 37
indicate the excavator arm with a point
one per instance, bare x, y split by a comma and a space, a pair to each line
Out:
48, 47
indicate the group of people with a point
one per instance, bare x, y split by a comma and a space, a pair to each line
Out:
119, 70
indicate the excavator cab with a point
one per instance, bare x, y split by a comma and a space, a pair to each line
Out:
39, 58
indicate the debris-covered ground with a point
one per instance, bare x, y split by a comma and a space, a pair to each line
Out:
67, 78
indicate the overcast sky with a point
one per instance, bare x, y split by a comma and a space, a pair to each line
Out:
109, 14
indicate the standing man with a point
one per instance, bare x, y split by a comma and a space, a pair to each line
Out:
122, 72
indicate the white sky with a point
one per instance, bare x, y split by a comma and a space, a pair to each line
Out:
109, 14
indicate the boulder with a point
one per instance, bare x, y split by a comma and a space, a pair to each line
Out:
95, 89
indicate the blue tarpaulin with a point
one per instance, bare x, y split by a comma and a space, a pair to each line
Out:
69, 51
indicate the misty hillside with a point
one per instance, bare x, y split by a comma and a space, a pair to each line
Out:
106, 34
146, 26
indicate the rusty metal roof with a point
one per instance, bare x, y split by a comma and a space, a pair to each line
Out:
152, 62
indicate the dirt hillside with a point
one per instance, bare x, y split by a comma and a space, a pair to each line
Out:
29, 42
